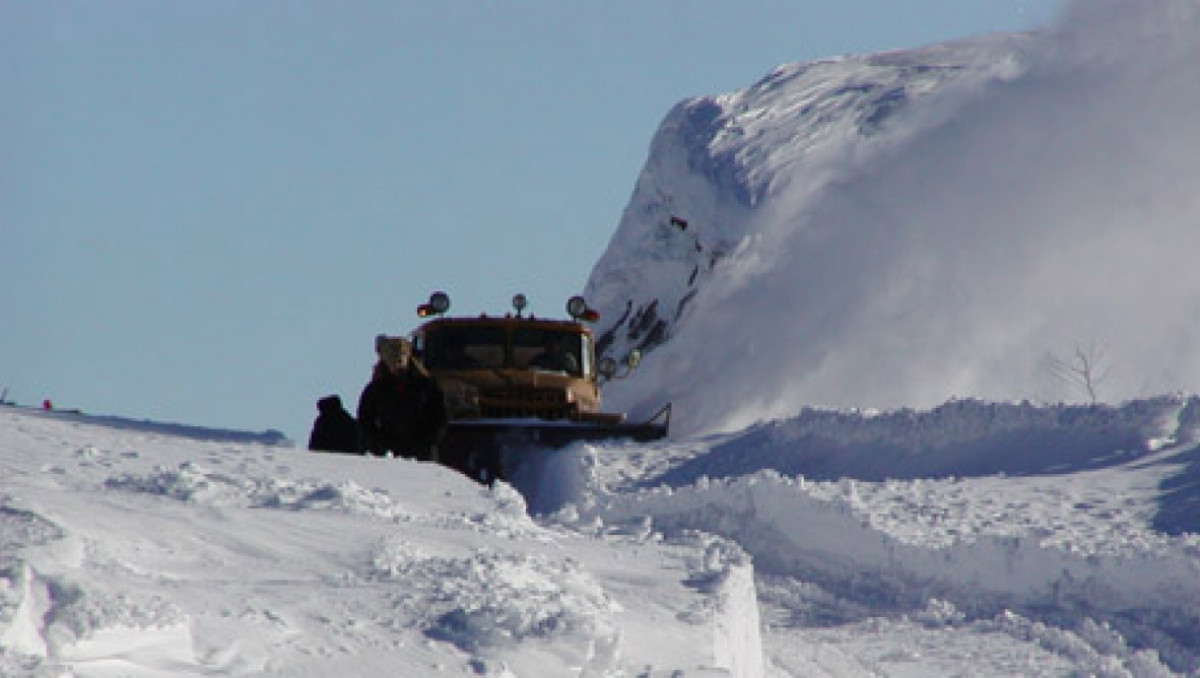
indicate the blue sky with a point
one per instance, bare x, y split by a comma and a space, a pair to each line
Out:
208, 210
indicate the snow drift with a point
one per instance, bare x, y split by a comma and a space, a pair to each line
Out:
127, 552
1069, 548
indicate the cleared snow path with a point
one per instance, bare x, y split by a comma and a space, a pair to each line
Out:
1065, 553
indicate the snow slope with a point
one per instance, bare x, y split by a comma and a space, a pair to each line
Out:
894, 230
137, 553
989, 539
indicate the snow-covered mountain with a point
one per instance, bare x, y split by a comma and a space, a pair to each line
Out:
965, 220
716, 161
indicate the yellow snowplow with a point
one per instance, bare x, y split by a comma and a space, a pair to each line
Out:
515, 381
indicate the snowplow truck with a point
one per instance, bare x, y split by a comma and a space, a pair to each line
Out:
516, 382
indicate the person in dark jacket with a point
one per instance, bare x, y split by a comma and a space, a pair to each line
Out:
402, 410
334, 429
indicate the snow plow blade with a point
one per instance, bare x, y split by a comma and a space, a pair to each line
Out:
486, 449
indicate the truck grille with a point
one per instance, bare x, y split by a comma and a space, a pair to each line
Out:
515, 404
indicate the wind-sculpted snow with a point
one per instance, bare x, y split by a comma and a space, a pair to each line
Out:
964, 504
719, 552
836, 536
43, 615
193, 484
962, 437
490, 598
979, 219
127, 553
20, 527
975, 438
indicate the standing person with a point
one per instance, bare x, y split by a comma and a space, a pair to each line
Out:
402, 410
334, 429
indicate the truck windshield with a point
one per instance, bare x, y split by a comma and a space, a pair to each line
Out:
465, 348
536, 348
550, 350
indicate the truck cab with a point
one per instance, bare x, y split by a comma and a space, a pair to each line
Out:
513, 382
513, 367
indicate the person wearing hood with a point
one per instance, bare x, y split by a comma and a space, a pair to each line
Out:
334, 429
402, 410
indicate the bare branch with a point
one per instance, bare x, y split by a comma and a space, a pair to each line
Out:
1085, 370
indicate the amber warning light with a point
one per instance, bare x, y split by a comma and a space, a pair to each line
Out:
439, 303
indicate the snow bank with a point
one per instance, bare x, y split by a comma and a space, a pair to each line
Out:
999, 536
962, 437
137, 554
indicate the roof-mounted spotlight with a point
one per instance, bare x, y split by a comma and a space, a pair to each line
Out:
439, 303
519, 303
577, 308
